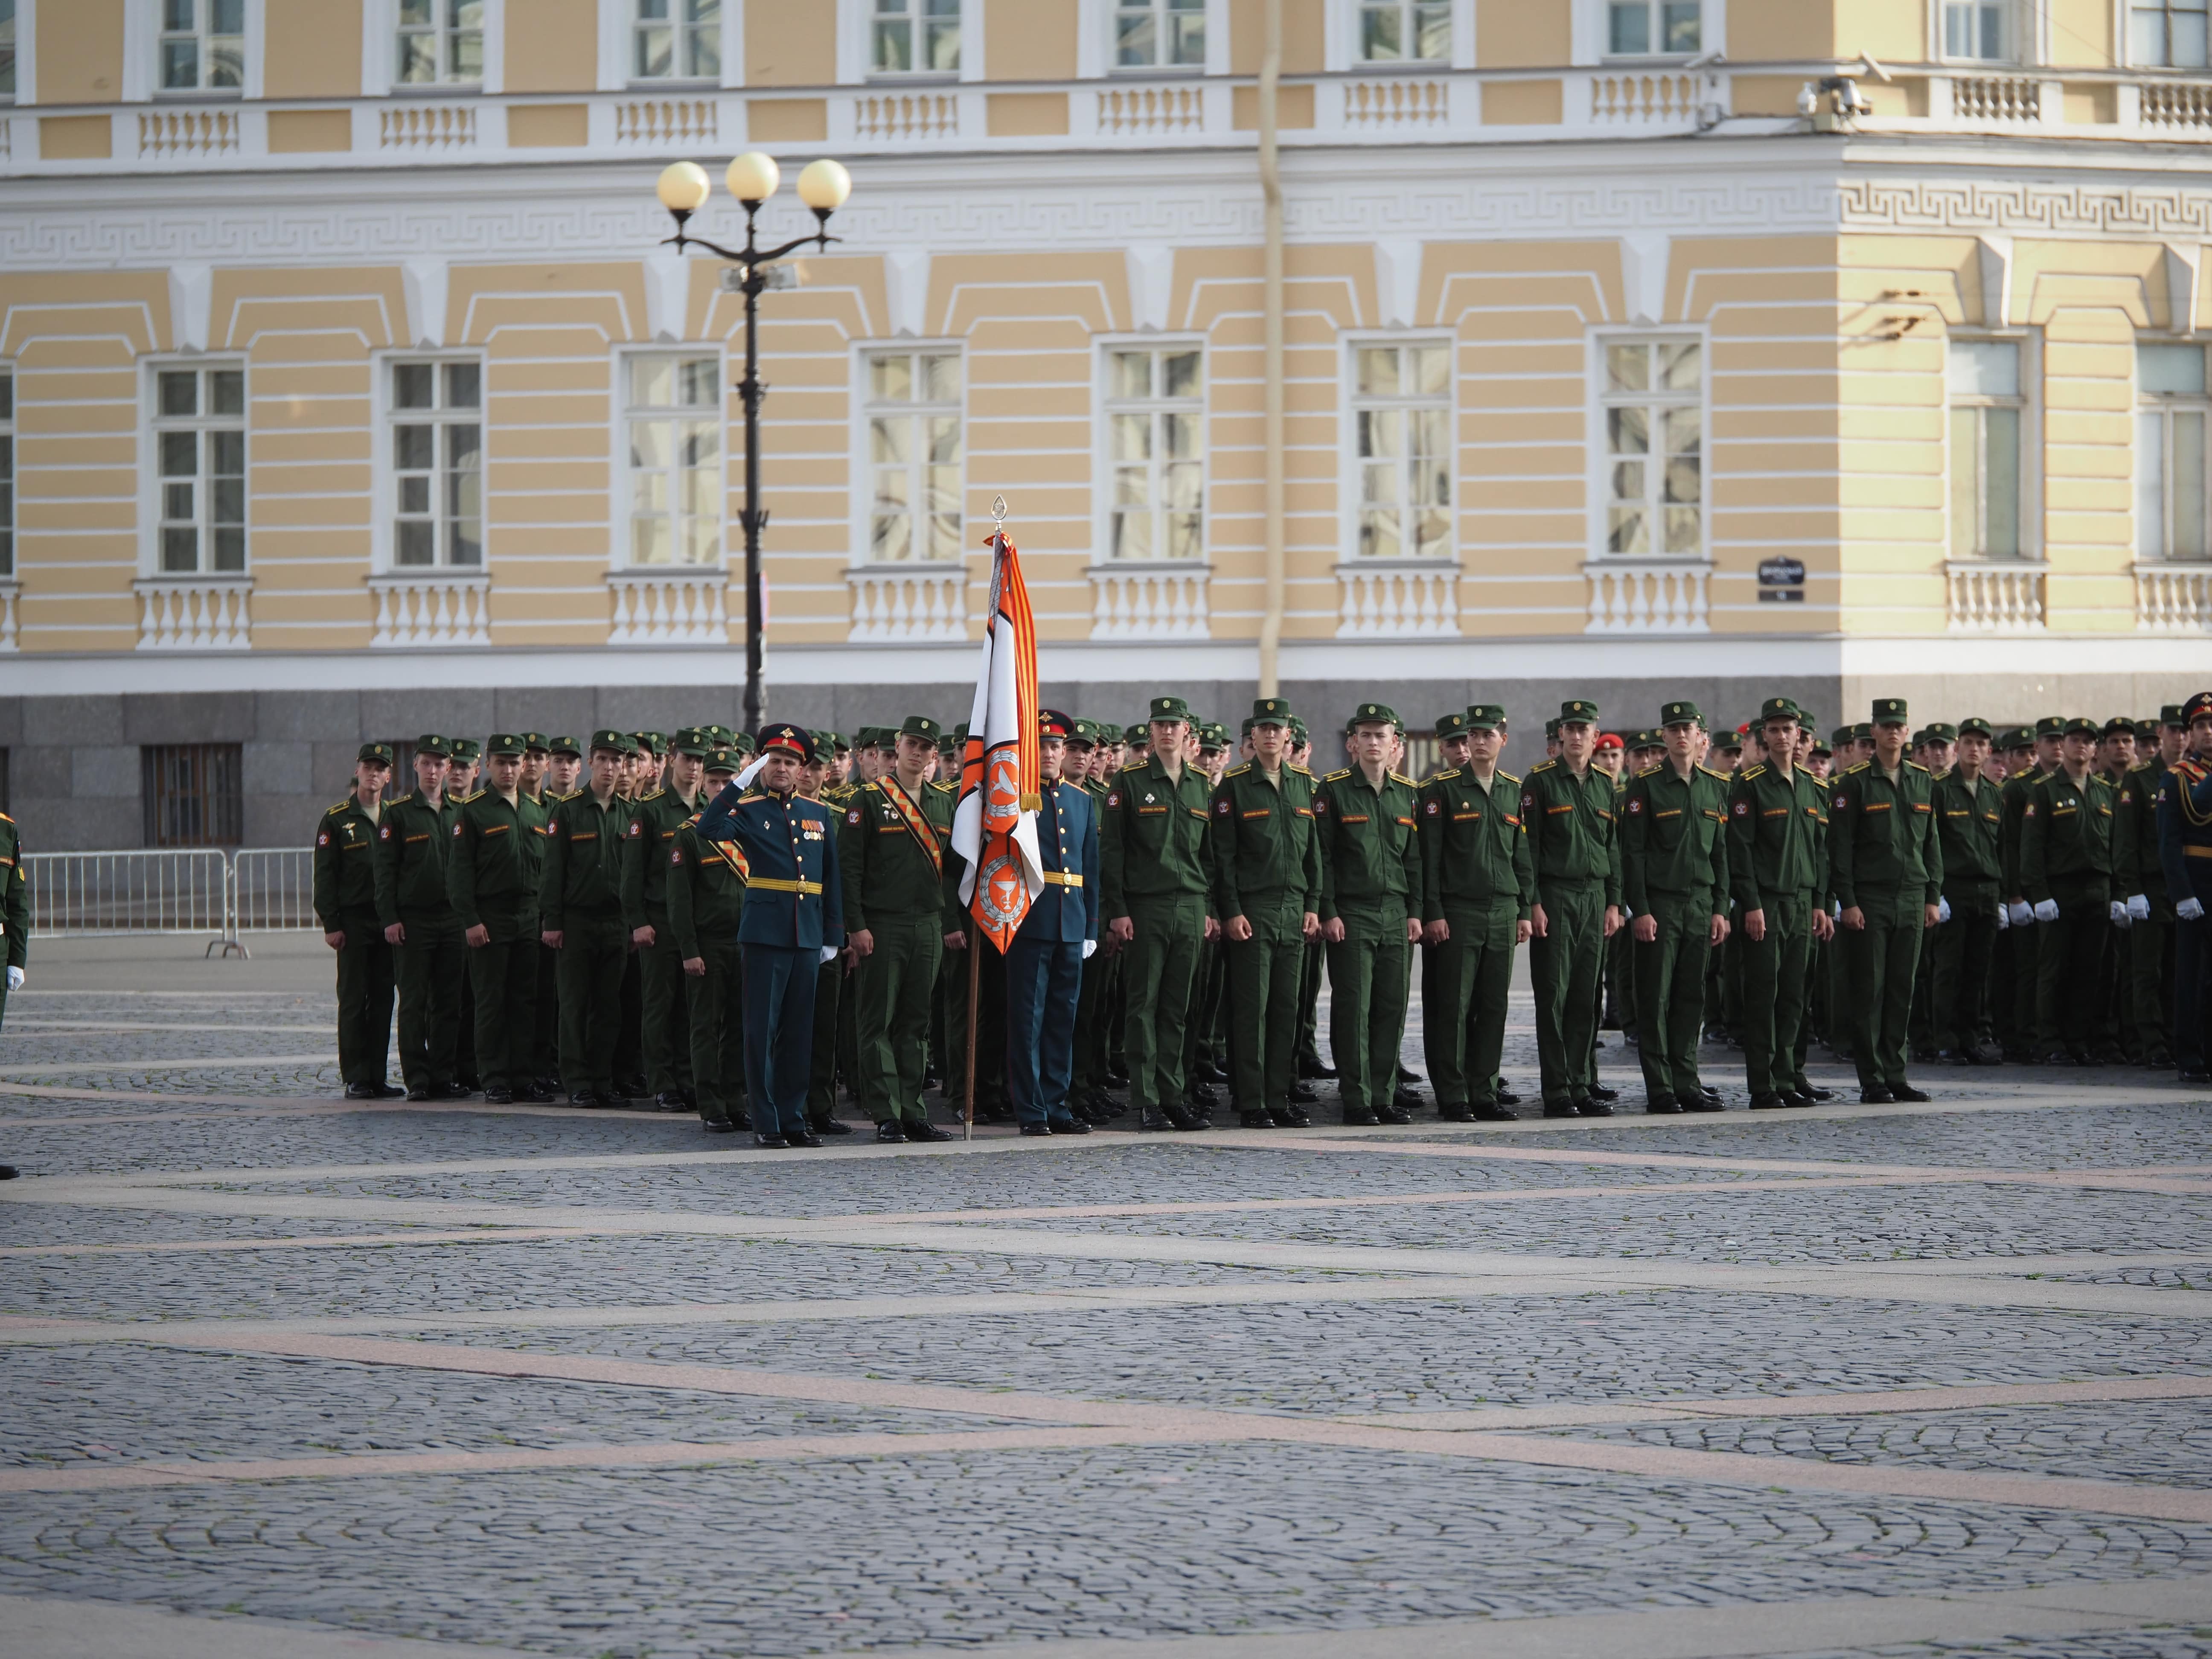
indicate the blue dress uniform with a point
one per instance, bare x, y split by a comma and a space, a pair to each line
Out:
794, 910
1044, 970
2184, 853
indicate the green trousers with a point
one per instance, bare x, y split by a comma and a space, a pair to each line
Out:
1263, 1003
715, 1024
1160, 967
1565, 963
428, 969
822, 1080
1883, 957
666, 1011
1965, 952
504, 977
1088, 1071
1670, 993
1368, 972
595, 955
2069, 955
1774, 971
1463, 993
890, 1014
365, 988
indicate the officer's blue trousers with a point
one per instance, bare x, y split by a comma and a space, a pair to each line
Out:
779, 1034
1044, 979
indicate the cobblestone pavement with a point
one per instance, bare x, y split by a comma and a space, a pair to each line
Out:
595, 1384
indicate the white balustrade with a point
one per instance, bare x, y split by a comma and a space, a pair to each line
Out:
671, 605
1994, 596
652, 121
1150, 110
194, 613
2173, 599
905, 117
1650, 98
1396, 103
428, 126
1394, 598
434, 608
192, 132
908, 602
9, 592
1647, 596
2011, 99
1139, 600
2178, 108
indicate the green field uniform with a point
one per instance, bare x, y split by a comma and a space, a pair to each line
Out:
1883, 860
706, 896
1969, 817
1087, 1080
492, 874
412, 840
891, 848
346, 902
1478, 878
1776, 864
1370, 881
2020, 1034
580, 899
2066, 857
663, 1014
15, 903
2136, 873
1153, 846
1267, 869
1574, 850
1673, 867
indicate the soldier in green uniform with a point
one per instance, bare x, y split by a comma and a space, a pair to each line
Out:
1776, 865
2065, 874
345, 905
413, 834
15, 919
2139, 880
1567, 808
1267, 893
1885, 870
646, 867
832, 1005
890, 858
1969, 814
1478, 887
491, 881
580, 915
1674, 848
1371, 913
1311, 1068
1152, 858
463, 777
706, 901
2018, 789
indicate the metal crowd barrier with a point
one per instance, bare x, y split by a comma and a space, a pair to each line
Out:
272, 889
196, 890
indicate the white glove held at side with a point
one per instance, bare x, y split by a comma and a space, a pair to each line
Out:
15, 978
1942, 909
2189, 909
829, 955
2004, 918
2119, 914
2139, 907
2022, 913
1089, 949
2047, 910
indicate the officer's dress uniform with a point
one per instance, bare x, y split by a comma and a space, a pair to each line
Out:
2137, 873
1884, 860
1673, 865
891, 853
794, 910
580, 899
1777, 865
413, 838
1969, 820
2185, 850
664, 1022
1044, 970
706, 907
2066, 858
1478, 878
346, 902
15, 903
1152, 858
1267, 869
1575, 854
492, 876
1370, 881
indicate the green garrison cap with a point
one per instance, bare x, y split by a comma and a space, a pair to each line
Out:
1778, 709
381, 753
921, 726
431, 744
1728, 737
2146, 733
1299, 732
1975, 726
1820, 747
1451, 725
1578, 709
1890, 711
1247, 728
1485, 717
694, 741
1212, 736
1138, 733
1272, 711
620, 742
1943, 733
1372, 714
725, 759
505, 743
1863, 732
533, 743
2118, 724
1840, 736
1552, 728
838, 740
651, 743
1681, 713
722, 735
1084, 735
1170, 709
2081, 726
467, 748
744, 742
2051, 726
565, 746
2171, 714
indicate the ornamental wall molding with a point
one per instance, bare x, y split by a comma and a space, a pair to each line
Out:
2027, 208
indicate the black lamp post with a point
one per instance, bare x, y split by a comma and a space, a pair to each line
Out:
752, 178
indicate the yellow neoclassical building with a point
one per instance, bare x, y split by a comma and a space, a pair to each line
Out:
1622, 348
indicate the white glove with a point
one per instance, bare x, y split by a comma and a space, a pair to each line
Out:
753, 770
829, 955
1943, 911
1836, 909
2047, 910
2119, 914
2139, 907
2189, 909
2004, 917
2021, 914
14, 977
1089, 949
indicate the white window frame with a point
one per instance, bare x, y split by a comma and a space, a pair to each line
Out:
634, 25
1112, 11
2165, 9
2162, 407
967, 22
151, 496
385, 515
22, 15
1105, 407
1351, 488
491, 47
8, 473
2021, 44
201, 33
622, 542
2029, 402
1354, 13
1657, 11
1599, 480
865, 410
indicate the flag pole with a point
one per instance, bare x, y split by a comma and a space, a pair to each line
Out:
976, 934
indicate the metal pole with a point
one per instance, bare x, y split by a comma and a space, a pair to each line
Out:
755, 592
975, 981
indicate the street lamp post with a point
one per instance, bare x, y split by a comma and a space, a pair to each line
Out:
752, 178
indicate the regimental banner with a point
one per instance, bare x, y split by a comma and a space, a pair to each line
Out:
994, 827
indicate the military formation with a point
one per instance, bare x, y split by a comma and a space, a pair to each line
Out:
752, 928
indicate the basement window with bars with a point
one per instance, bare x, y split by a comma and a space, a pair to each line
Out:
199, 447
1988, 419
676, 40
2170, 432
1155, 424
192, 793
437, 466
914, 457
1402, 413
440, 42
1404, 30
203, 45
1653, 408
676, 489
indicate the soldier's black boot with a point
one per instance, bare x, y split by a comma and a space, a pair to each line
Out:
1487, 1114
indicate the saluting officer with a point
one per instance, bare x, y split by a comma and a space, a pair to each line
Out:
2065, 874
1674, 848
1267, 893
1478, 888
1567, 806
793, 922
890, 855
1969, 818
413, 835
492, 874
1044, 970
645, 880
1776, 865
2139, 879
1885, 870
580, 916
706, 904
345, 904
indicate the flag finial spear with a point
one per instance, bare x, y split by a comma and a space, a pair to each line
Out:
999, 513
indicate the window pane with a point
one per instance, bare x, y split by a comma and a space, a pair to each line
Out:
943, 440
7, 397
1626, 432
2150, 485
1965, 484
1679, 25
1378, 536
177, 500
419, 60
1179, 436
1681, 429
891, 379
1682, 530
1987, 368
1133, 486
941, 378
1628, 367
2189, 41
703, 60
1381, 432
1631, 31
1433, 33
1379, 34
2147, 39
1132, 535
417, 543
181, 63
1629, 531
181, 549
414, 494
414, 12
1183, 539
1186, 38
179, 392
1377, 368
650, 382
698, 378
1684, 479
413, 448
1379, 485
229, 550
944, 538
464, 386
1431, 369
2001, 472
656, 52
1627, 481
887, 441
463, 445
1135, 40
650, 445
225, 392
1679, 366
889, 537
1132, 437
942, 43
894, 44
2170, 369
465, 14
177, 16
2188, 484
468, 56
411, 385
1179, 375
653, 11
226, 64
180, 454
227, 453
1129, 373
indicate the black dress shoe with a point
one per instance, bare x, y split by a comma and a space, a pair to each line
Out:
1906, 1091
1560, 1109
8, 1172
773, 1143
455, 1091
363, 1091
1305, 1094
1195, 1123
420, 1091
1767, 1101
392, 1092
671, 1100
1394, 1113
1452, 1113
634, 1087
617, 1102
922, 1129
831, 1125
719, 1126
1252, 1117
1068, 1125
1591, 1106
1408, 1074
1036, 1128
1313, 1069
582, 1097
1356, 1118
1876, 1096
1404, 1099
741, 1118
1708, 1092
1491, 1114
804, 1138
1153, 1123
498, 1097
1599, 1092
888, 1130
1288, 1117
1206, 1071
1797, 1097
1663, 1105
1813, 1091
1198, 1097
1704, 1100
2193, 1079
1507, 1097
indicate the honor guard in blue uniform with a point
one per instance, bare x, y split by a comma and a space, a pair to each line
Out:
1044, 970
793, 922
2184, 853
